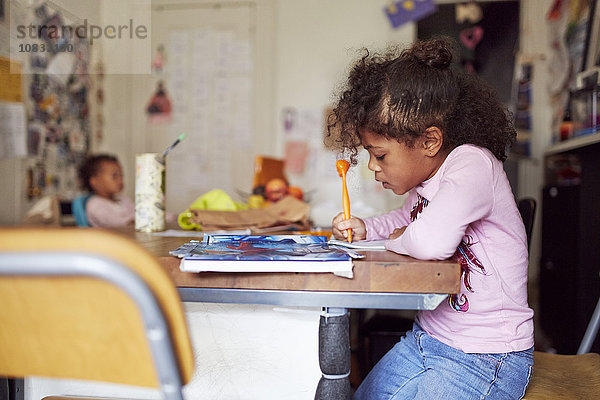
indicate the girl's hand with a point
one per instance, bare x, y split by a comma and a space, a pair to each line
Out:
397, 233
339, 226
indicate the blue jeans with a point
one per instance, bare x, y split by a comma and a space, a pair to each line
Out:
421, 367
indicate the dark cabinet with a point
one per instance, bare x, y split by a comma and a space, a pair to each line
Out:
559, 266
570, 260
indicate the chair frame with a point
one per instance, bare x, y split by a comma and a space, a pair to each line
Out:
590, 332
51, 264
523, 205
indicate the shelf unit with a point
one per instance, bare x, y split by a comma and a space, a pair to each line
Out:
573, 144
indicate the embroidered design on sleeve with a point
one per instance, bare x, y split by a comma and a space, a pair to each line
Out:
417, 209
459, 302
468, 262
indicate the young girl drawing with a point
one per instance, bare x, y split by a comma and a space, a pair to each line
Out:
441, 136
102, 176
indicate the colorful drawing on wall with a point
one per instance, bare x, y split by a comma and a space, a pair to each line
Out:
35, 132
401, 12
48, 17
289, 117
523, 111
593, 43
578, 25
558, 63
158, 62
296, 155
99, 128
486, 35
159, 107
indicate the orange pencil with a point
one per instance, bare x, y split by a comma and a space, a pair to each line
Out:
342, 167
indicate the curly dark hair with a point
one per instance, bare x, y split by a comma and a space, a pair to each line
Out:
91, 166
400, 93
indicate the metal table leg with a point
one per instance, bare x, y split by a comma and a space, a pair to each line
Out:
334, 355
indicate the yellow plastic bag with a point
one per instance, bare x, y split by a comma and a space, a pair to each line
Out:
214, 200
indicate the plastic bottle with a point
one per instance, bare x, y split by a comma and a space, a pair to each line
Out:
566, 126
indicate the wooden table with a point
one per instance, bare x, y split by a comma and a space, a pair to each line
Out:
382, 279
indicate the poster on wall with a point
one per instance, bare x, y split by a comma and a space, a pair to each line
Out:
12, 130
159, 106
522, 114
593, 43
486, 34
580, 15
12, 110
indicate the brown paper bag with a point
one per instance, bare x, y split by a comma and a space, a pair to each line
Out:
286, 211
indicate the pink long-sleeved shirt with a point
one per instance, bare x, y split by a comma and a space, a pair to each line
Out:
467, 210
106, 213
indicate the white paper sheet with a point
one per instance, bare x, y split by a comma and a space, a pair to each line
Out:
12, 130
242, 352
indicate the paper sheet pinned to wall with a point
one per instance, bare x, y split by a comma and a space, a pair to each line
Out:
211, 90
12, 130
11, 81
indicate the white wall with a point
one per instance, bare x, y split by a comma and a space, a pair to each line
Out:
536, 48
316, 43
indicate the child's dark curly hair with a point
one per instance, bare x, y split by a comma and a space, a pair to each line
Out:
91, 166
400, 96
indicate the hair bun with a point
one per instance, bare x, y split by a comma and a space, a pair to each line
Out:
436, 53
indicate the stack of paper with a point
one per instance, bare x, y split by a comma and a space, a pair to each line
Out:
264, 253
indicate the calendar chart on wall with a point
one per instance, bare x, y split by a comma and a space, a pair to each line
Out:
201, 85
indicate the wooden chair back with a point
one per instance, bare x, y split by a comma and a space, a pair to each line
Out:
89, 304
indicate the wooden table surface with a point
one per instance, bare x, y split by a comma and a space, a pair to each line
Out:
379, 271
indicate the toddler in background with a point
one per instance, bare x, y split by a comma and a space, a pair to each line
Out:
102, 176
441, 136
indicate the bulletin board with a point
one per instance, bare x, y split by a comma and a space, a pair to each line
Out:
487, 39
57, 110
